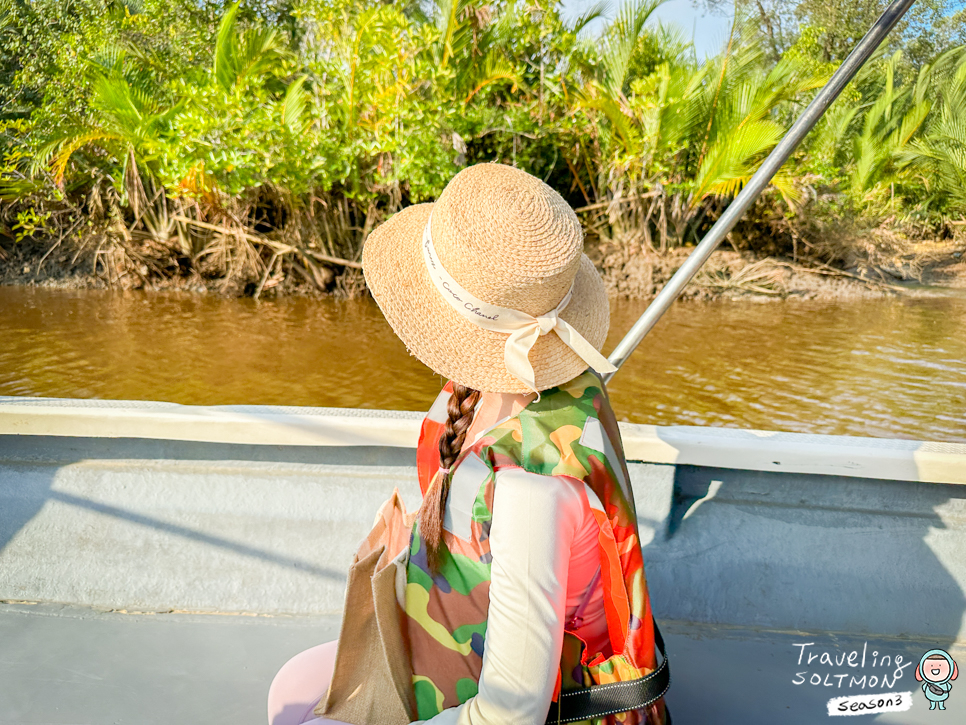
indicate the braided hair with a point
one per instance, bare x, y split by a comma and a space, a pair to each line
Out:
460, 408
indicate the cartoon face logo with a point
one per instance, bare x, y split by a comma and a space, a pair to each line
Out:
936, 671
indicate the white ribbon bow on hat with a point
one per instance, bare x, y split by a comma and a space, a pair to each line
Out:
523, 329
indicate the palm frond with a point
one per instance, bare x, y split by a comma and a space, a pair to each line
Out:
241, 56
293, 107
620, 38
495, 68
601, 100
734, 157
594, 12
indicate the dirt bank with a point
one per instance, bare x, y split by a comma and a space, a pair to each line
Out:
728, 274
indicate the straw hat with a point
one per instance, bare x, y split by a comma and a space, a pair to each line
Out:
504, 238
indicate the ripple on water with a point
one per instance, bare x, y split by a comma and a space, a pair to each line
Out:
890, 368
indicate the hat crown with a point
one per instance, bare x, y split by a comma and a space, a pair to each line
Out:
507, 238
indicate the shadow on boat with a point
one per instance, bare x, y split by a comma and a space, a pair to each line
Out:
162, 524
759, 571
745, 567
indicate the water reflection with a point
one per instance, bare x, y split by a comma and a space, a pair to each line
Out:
889, 368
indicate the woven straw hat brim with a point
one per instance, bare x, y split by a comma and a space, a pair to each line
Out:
448, 343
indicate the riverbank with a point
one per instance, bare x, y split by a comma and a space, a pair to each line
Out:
923, 268
928, 268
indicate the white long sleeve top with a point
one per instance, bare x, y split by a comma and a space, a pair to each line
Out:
543, 539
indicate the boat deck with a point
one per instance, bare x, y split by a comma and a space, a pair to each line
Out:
64, 665
755, 544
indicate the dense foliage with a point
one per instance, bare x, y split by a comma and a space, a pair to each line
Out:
251, 142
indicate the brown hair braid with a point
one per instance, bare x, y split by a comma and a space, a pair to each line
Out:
460, 409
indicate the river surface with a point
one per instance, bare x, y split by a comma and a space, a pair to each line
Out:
886, 368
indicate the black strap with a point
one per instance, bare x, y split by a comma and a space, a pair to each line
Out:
600, 700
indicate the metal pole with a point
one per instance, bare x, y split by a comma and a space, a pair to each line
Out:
759, 180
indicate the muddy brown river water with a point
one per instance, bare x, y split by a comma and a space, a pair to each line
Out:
891, 368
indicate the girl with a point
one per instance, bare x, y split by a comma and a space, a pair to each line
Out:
525, 583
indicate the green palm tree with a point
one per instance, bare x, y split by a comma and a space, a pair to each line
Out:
937, 157
688, 134
889, 124
475, 42
243, 56
131, 117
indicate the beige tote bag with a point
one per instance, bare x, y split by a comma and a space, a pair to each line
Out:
372, 679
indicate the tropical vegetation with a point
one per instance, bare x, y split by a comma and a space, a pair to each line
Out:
245, 146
